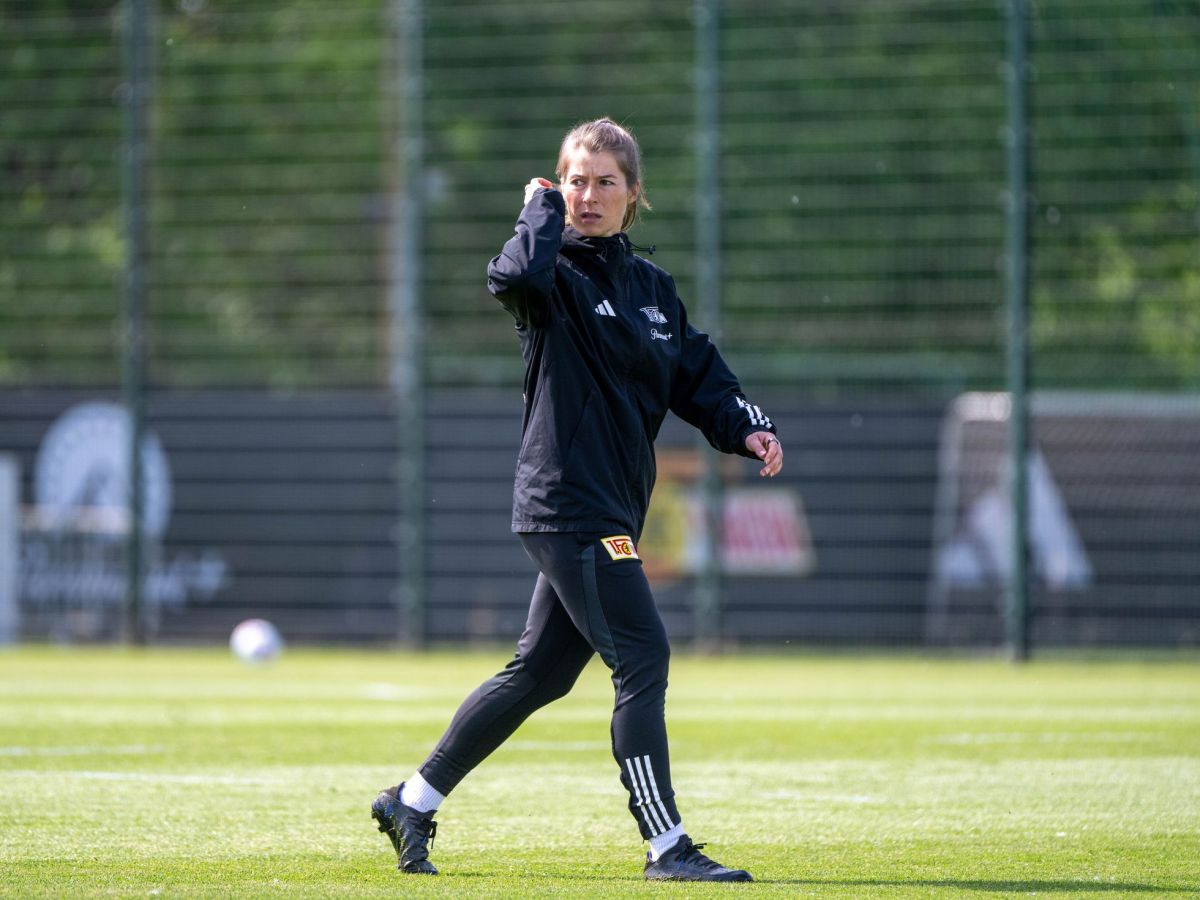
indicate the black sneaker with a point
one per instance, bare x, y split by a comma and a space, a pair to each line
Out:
685, 862
409, 830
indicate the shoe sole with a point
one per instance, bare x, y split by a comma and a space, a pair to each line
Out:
721, 878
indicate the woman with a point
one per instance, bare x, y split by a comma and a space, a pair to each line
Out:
608, 350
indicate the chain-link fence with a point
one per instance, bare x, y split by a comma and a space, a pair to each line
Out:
862, 198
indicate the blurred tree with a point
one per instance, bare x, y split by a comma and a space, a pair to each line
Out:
1118, 190
862, 180
269, 184
60, 243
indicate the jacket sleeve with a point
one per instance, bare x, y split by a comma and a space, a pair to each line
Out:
706, 394
522, 276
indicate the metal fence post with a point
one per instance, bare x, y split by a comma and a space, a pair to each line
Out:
706, 16
1017, 601
135, 171
405, 307
1189, 112
10, 548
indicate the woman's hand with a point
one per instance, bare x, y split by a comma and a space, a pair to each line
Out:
536, 184
766, 447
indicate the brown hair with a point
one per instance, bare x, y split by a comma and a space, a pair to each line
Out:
606, 136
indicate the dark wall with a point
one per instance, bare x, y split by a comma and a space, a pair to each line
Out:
866, 476
286, 505
295, 496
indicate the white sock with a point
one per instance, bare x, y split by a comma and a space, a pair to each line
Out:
661, 843
420, 795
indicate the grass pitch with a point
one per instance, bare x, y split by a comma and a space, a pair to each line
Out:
187, 773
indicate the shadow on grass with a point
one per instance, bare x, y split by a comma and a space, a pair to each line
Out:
1016, 887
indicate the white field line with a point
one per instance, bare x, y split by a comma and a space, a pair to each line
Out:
386, 692
558, 745
146, 777
91, 750
1034, 737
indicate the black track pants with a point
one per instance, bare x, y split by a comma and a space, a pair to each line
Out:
585, 602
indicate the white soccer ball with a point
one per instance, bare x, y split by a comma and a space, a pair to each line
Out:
256, 641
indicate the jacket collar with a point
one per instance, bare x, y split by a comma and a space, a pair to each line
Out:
609, 251
612, 246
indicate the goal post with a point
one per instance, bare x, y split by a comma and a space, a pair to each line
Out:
10, 549
1114, 496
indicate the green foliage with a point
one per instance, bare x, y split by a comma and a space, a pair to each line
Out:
60, 229
269, 152
186, 773
862, 184
1117, 238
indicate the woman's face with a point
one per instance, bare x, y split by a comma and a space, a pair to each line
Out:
596, 192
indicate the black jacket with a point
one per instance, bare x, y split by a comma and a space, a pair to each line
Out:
608, 350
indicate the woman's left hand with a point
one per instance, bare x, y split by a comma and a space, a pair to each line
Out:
766, 447
535, 184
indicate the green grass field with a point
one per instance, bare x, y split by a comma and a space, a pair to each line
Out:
186, 773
